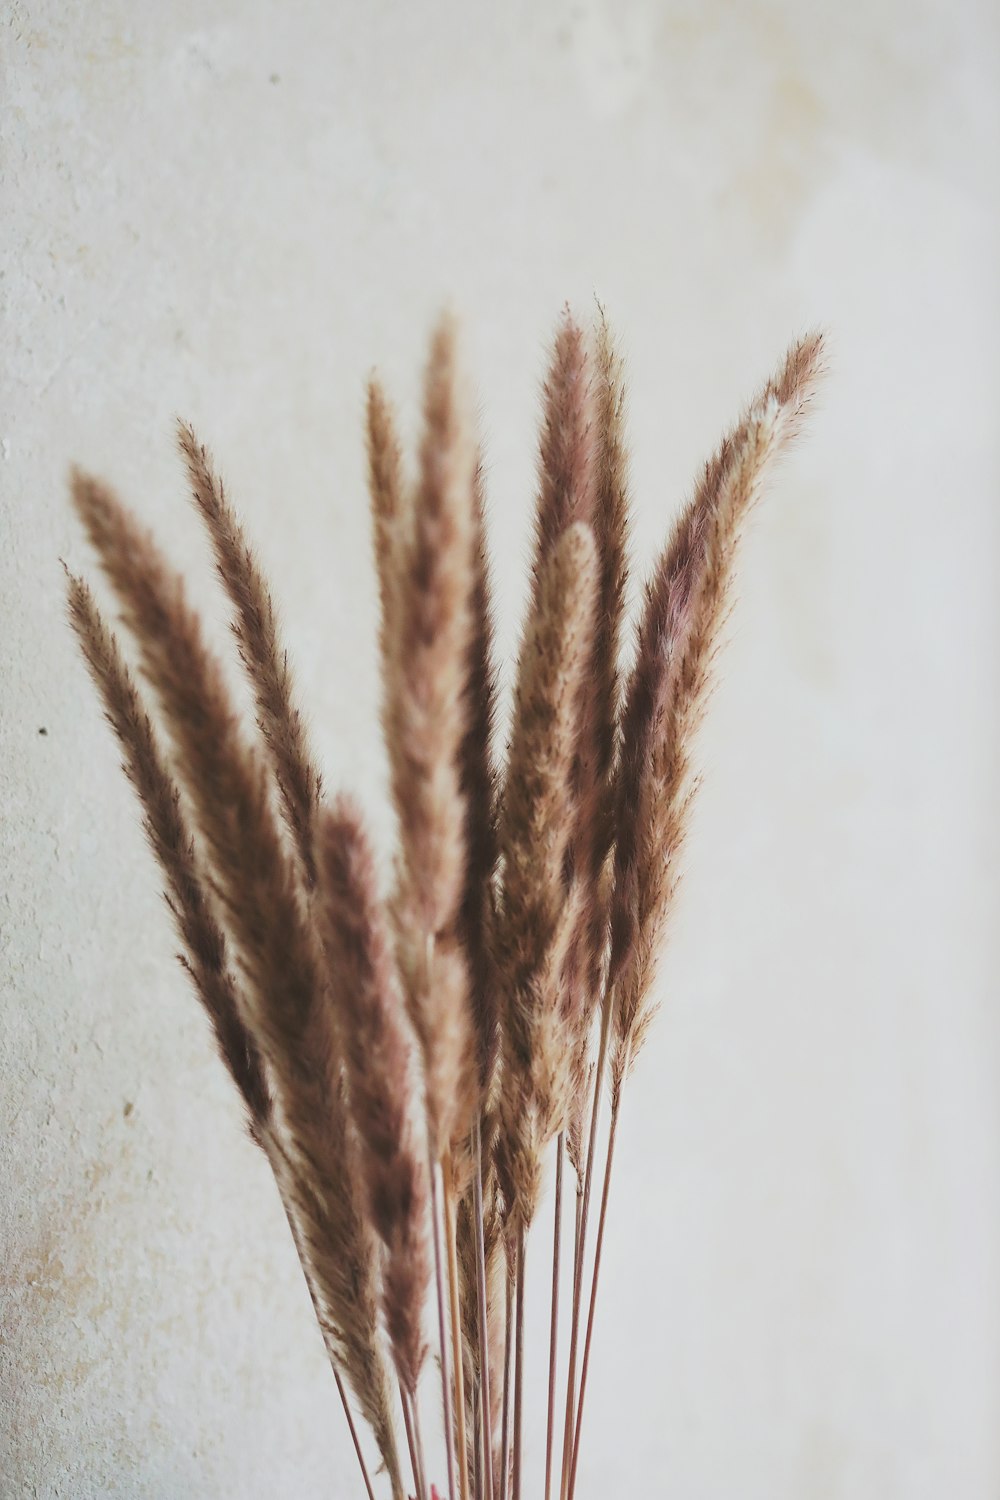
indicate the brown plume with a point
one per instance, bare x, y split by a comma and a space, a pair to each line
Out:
406, 1066
287, 1009
205, 957
255, 627
479, 783
566, 468
685, 608
373, 1034
391, 515
535, 829
427, 719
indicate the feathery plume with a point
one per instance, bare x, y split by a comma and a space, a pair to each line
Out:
287, 1010
594, 769
479, 784
535, 828
611, 530
391, 516
566, 469
205, 955
527, 900
255, 627
372, 1031
426, 716
598, 739
677, 634
536, 817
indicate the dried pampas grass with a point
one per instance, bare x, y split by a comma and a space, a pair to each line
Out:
409, 1060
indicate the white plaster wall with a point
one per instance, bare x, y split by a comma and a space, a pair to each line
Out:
231, 210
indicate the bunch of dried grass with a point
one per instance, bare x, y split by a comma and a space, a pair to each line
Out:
408, 1061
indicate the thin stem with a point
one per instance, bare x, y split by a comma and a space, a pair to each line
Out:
461, 1440
554, 1318
484, 1348
477, 1441
415, 1464
354, 1431
420, 1444
449, 1439
576, 1234
519, 1371
615, 1109
508, 1349
397, 1487
602, 1057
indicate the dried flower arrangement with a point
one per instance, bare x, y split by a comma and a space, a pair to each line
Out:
408, 1065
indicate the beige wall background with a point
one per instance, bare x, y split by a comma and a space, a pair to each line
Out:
232, 211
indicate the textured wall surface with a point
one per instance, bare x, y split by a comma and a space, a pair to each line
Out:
231, 209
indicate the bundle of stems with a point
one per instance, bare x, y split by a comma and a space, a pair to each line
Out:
411, 1061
